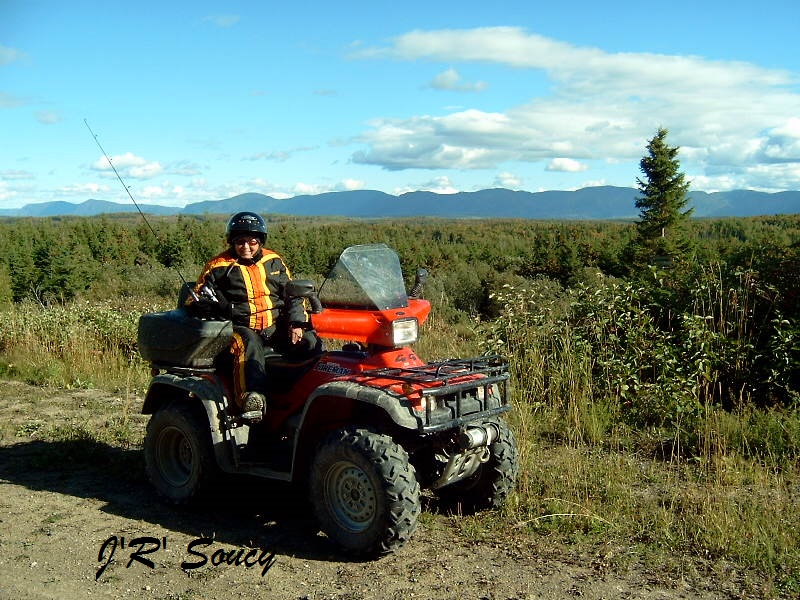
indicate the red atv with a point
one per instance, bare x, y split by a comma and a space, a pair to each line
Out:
365, 427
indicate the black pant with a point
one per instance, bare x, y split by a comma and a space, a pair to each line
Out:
248, 349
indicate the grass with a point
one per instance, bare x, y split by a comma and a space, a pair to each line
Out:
82, 345
695, 482
721, 490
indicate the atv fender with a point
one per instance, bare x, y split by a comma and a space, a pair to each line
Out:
166, 387
392, 406
332, 405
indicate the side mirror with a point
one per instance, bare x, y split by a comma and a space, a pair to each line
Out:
304, 288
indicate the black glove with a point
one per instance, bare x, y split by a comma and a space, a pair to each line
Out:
202, 309
208, 309
266, 335
224, 308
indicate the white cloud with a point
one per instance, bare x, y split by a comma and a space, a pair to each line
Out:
789, 129
304, 189
151, 192
164, 192
260, 182
783, 142
565, 62
761, 177
223, 21
439, 185
451, 80
80, 189
469, 139
11, 101
10, 55
310, 189
351, 184
566, 164
276, 155
264, 186
6, 192
15, 174
183, 167
144, 171
721, 183
128, 165
723, 114
508, 180
255, 184
593, 183
47, 117
280, 155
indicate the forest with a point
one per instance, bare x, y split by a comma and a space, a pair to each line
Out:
739, 284
690, 359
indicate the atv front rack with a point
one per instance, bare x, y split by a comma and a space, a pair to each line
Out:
454, 391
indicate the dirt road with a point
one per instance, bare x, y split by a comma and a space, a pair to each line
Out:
78, 520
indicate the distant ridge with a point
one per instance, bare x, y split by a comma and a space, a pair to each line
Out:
602, 202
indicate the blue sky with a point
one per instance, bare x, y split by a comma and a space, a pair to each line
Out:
204, 100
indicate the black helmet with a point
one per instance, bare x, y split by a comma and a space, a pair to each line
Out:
246, 222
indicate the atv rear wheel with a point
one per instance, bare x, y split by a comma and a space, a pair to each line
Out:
364, 491
179, 459
492, 482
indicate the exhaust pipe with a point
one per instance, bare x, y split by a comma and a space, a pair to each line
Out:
476, 437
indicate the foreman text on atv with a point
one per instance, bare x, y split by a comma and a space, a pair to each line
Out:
365, 427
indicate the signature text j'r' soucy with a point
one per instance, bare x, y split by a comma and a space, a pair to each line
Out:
139, 550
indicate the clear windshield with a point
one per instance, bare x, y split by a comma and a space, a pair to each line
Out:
367, 276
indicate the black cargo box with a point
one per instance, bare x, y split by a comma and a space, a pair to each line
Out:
174, 338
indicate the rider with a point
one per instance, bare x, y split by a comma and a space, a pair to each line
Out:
248, 281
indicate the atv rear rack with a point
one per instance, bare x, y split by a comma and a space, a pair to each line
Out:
447, 402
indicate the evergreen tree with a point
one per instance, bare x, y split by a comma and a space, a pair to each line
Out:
6, 294
662, 203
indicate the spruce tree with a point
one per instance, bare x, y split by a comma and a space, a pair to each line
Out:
662, 202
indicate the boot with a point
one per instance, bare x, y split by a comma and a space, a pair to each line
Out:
253, 406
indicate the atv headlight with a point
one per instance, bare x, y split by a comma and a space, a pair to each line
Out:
405, 331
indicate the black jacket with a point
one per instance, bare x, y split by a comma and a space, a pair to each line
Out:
251, 291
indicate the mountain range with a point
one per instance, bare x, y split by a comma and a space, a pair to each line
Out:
602, 202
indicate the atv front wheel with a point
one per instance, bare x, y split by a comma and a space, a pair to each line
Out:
492, 482
364, 491
179, 459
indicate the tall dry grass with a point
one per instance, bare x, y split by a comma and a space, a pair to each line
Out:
624, 440
79, 345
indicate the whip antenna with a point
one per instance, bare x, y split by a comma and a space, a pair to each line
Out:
136, 204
